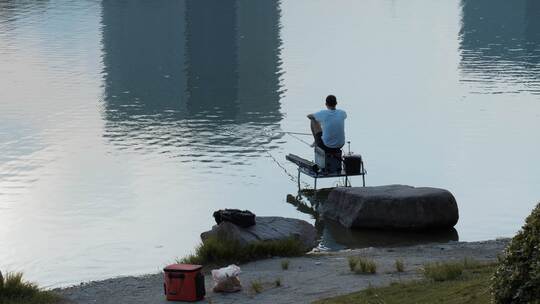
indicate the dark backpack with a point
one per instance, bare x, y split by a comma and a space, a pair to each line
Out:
238, 217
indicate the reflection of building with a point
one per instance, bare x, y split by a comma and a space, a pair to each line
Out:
501, 39
171, 62
143, 57
212, 57
11, 10
532, 28
258, 54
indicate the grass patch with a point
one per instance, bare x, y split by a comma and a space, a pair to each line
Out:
277, 282
361, 265
400, 265
352, 263
256, 286
14, 290
216, 252
471, 287
444, 271
285, 264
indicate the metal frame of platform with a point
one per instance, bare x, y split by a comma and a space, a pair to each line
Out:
313, 170
342, 173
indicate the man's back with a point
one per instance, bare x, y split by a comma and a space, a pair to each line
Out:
333, 126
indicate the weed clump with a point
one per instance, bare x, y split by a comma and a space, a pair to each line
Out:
400, 266
218, 252
13, 289
517, 278
285, 264
362, 265
256, 287
446, 271
352, 263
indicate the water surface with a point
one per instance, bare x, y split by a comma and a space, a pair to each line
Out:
124, 124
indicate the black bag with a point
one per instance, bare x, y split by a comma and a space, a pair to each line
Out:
241, 218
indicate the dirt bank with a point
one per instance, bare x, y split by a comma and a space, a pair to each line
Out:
315, 276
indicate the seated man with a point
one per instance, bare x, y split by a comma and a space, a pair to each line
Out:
331, 137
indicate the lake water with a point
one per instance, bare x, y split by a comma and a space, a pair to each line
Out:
125, 124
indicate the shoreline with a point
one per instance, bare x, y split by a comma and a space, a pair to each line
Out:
311, 277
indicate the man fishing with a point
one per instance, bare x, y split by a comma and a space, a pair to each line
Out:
328, 126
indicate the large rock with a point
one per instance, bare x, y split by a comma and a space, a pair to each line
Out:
391, 207
267, 228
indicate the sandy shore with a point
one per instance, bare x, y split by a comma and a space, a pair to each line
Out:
312, 277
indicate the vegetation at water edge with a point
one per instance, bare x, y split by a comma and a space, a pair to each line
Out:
217, 252
362, 265
400, 265
444, 271
285, 264
517, 279
471, 286
14, 290
256, 286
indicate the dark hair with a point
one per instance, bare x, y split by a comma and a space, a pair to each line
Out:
331, 101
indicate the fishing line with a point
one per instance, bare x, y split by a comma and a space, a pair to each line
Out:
292, 177
299, 139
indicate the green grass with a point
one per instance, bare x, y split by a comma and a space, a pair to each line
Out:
400, 265
285, 264
256, 286
352, 263
362, 265
472, 286
444, 271
14, 290
213, 252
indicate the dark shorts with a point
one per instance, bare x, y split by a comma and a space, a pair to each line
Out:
319, 142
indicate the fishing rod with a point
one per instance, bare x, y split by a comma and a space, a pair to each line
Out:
295, 133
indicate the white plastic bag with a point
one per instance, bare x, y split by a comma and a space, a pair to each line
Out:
226, 279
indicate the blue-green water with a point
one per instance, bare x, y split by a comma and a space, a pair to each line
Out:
124, 124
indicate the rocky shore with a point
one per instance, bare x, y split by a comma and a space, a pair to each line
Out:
314, 276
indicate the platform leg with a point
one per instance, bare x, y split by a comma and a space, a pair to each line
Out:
363, 174
315, 186
299, 180
347, 181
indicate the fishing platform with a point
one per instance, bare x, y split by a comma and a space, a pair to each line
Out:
330, 164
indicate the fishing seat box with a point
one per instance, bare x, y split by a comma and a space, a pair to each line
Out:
353, 164
328, 161
183, 282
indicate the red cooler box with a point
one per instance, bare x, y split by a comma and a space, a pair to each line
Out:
184, 282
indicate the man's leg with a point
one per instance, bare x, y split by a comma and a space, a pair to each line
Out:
316, 130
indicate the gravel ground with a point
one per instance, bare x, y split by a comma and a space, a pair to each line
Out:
312, 277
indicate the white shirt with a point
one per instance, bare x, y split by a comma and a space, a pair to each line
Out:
333, 126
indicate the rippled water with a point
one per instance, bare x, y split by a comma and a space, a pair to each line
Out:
124, 124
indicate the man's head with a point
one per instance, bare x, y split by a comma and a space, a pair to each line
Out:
331, 102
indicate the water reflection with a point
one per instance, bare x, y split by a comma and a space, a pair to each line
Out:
334, 236
72, 72
11, 10
197, 79
500, 45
